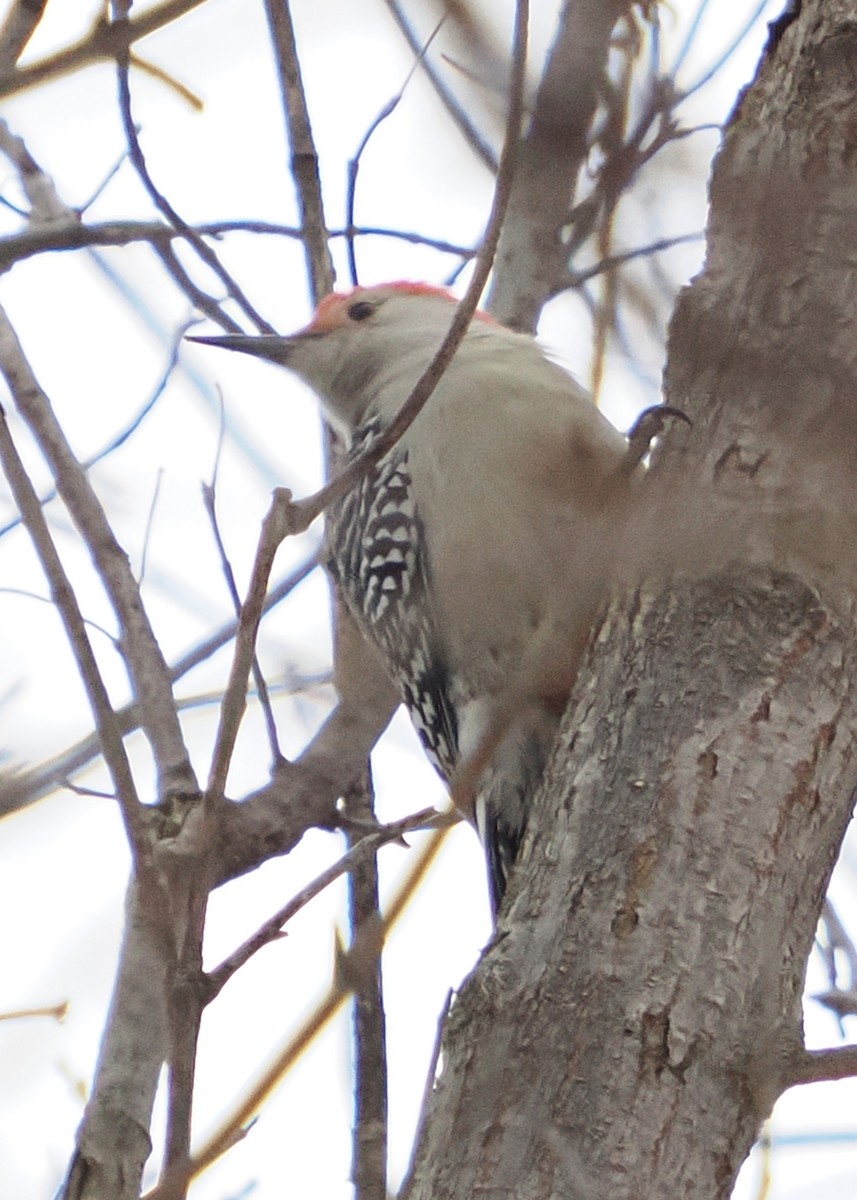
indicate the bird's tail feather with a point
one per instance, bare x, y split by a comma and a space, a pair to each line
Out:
506, 790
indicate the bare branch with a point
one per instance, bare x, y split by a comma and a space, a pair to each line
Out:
63, 596
201, 299
74, 235
304, 794
354, 163
113, 1141
209, 497
31, 786
367, 846
235, 698
841, 1001
724, 57
555, 148
18, 27
46, 208
13, 591
838, 941
120, 438
350, 965
459, 115
147, 532
104, 42
576, 279
304, 161
185, 1008
369, 1139
818, 1066
58, 1011
163, 205
142, 653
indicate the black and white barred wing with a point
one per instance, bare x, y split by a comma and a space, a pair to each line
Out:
377, 554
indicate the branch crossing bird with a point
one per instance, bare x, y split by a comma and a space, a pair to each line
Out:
475, 554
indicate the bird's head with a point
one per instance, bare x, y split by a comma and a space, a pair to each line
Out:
363, 349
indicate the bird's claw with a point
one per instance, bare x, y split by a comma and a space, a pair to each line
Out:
649, 425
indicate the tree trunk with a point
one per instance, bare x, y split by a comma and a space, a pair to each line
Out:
638, 1011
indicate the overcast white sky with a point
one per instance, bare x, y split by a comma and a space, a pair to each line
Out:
97, 327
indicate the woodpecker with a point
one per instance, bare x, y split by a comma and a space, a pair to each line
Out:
475, 554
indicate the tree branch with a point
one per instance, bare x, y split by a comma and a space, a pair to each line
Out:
142, 654
552, 153
30, 786
304, 161
459, 115
63, 596
820, 1066
203, 250
369, 1139
104, 42
18, 27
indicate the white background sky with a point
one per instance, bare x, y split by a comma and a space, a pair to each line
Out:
63, 863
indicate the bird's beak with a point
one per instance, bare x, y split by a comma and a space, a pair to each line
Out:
268, 346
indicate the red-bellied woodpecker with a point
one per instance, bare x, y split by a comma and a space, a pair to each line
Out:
476, 552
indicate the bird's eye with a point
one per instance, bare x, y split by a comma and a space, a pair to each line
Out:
361, 310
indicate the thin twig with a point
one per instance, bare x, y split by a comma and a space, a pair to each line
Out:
190, 98
304, 161
138, 161
286, 687
690, 36
369, 1136
92, 793
724, 57
577, 279
209, 498
142, 654
839, 940
120, 438
147, 532
416, 239
74, 235
235, 697
18, 27
272, 929
354, 163
28, 595
818, 1066
616, 107
459, 114
104, 42
105, 183
198, 297
230, 1131
428, 1086
58, 1011
65, 600
54, 773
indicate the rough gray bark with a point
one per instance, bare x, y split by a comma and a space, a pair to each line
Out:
638, 1011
